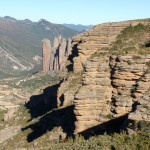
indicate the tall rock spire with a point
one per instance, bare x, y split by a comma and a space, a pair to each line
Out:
46, 55
62, 50
55, 58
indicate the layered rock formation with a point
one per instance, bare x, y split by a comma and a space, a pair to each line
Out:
140, 118
126, 72
55, 58
112, 85
99, 38
92, 101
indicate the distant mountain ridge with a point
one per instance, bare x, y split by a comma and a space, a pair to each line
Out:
21, 40
78, 27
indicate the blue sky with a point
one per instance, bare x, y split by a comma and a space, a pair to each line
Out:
76, 11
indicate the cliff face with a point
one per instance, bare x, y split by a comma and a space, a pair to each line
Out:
126, 75
98, 38
92, 101
113, 59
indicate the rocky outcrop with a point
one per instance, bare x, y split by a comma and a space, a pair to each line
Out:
68, 89
111, 85
46, 55
92, 101
60, 53
86, 44
143, 85
55, 58
126, 72
142, 111
140, 117
98, 38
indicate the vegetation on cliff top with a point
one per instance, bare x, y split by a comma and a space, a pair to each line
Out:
133, 39
35, 81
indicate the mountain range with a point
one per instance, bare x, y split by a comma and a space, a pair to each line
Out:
21, 43
78, 27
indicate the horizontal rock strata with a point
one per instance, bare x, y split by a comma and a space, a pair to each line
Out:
92, 102
98, 38
126, 73
111, 85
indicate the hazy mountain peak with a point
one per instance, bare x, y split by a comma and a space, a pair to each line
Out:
28, 21
78, 27
44, 21
10, 18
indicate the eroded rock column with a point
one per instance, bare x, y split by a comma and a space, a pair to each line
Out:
62, 50
46, 55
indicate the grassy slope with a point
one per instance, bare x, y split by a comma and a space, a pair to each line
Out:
132, 40
27, 37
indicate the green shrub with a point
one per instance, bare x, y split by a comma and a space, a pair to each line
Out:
110, 116
136, 57
148, 63
130, 40
129, 62
2, 112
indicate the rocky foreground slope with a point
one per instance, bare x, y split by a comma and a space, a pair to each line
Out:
114, 62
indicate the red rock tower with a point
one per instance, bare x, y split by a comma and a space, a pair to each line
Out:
46, 55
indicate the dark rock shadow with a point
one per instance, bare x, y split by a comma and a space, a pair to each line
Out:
63, 118
71, 56
56, 55
61, 100
147, 44
39, 105
112, 126
44, 106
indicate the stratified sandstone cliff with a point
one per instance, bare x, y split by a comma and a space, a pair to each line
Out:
127, 71
98, 38
113, 59
92, 102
